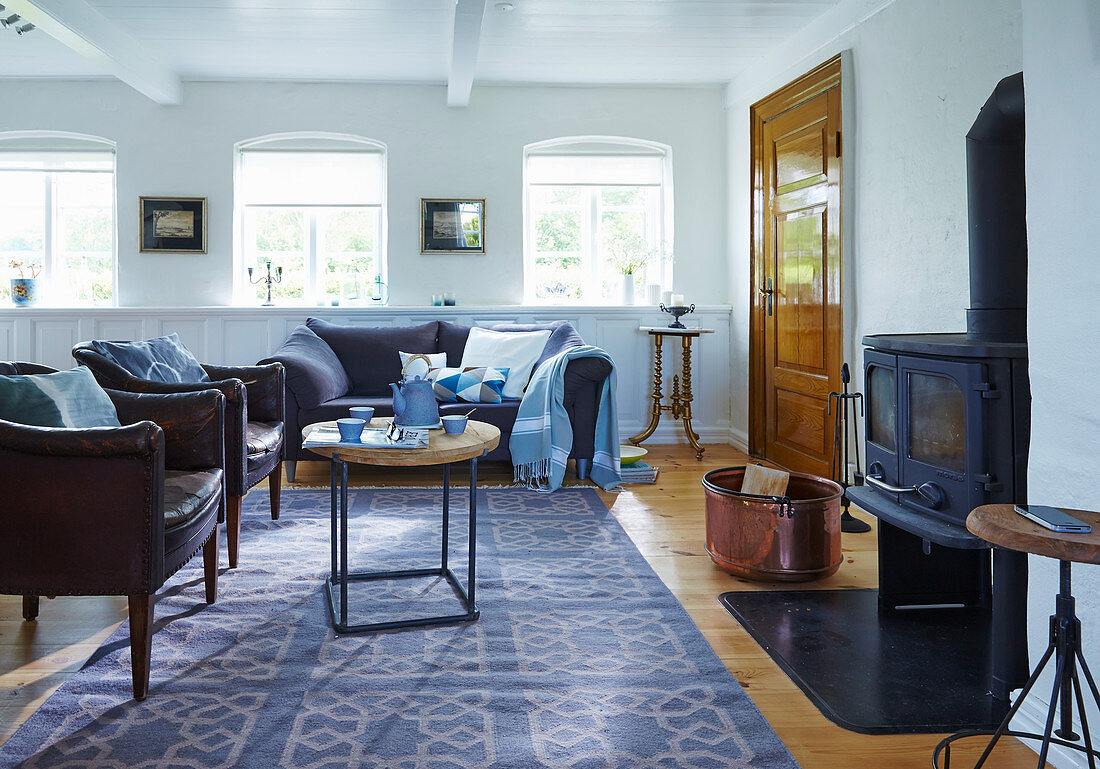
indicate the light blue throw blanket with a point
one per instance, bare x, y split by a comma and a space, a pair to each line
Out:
542, 436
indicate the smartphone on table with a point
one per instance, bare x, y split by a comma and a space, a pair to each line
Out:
1052, 518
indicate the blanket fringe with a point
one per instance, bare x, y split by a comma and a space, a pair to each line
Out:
534, 475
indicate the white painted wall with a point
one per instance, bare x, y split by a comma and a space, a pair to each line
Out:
918, 72
1061, 43
433, 152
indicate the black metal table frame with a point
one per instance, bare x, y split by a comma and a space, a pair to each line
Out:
1064, 649
340, 577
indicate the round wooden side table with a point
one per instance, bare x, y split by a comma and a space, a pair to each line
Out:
478, 439
1002, 526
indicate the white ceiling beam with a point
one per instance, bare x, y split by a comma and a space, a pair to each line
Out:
465, 41
85, 30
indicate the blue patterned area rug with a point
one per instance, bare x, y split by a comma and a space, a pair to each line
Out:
582, 657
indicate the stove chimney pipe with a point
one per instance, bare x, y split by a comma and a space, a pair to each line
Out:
997, 210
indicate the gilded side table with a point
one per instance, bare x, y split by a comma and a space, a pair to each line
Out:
681, 397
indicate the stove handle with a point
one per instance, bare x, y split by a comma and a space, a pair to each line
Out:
931, 493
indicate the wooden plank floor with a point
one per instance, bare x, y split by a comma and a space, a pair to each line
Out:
665, 520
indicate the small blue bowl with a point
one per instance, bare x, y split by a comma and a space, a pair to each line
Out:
366, 413
454, 424
350, 429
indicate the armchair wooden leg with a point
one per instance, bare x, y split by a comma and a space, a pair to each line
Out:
233, 527
275, 487
210, 564
141, 641
30, 607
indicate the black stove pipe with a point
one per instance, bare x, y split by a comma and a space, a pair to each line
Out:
997, 208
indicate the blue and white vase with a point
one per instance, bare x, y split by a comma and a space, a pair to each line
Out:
24, 291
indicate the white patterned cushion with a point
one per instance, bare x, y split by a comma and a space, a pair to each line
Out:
419, 368
473, 384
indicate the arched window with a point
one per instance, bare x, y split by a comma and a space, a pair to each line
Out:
596, 208
57, 216
313, 205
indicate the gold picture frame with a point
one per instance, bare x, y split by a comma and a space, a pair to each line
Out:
452, 225
172, 225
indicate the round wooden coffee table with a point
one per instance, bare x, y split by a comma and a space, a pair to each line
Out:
478, 439
1002, 526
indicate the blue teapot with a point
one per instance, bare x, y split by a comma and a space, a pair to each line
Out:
414, 399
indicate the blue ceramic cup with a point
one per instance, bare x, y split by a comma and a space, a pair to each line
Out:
350, 429
454, 424
366, 413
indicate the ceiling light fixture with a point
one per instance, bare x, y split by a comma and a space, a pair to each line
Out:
13, 22
505, 7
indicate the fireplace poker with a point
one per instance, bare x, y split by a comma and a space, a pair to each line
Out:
841, 438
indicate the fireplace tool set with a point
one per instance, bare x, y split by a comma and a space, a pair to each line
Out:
841, 438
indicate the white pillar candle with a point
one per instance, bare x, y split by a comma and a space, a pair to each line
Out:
677, 300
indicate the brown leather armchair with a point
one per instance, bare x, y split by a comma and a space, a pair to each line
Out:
253, 424
113, 510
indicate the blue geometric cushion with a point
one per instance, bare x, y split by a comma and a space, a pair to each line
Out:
64, 399
472, 384
164, 359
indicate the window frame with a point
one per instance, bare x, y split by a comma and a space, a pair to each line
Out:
58, 142
313, 248
591, 208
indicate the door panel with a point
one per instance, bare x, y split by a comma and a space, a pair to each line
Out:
798, 259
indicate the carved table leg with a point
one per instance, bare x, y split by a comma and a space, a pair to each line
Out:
655, 414
685, 401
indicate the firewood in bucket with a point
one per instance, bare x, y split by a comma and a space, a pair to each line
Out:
765, 481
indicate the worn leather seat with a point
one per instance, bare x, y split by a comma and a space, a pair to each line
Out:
254, 416
187, 493
113, 510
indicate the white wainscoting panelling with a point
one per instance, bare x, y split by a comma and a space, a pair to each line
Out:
244, 335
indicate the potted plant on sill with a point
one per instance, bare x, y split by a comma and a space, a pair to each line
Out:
24, 290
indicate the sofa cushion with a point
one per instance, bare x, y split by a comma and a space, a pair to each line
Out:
472, 385
313, 372
262, 437
370, 354
517, 352
563, 335
186, 493
452, 341
164, 359
63, 399
420, 368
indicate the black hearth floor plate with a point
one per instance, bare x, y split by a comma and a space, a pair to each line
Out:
916, 671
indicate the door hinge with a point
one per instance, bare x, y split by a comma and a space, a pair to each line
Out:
838, 143
989, 482
987, 390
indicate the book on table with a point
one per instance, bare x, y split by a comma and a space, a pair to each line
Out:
372, 438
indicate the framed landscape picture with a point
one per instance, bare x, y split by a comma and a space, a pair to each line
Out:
452, 226
173, 225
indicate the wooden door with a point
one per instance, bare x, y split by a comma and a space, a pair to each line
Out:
796, 333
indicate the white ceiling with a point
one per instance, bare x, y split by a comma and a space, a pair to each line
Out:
540, 41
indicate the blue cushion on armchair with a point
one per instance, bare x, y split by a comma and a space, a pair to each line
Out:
63, 399
164, 359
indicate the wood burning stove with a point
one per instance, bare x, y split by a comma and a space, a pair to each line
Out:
948, 415
943, 434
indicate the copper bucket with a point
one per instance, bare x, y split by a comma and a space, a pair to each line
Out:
770, 540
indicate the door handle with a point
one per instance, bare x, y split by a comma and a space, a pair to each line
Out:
767, 292
931, 493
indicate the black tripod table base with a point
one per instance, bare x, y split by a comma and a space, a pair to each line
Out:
1065, 652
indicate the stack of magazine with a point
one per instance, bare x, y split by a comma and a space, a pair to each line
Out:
639, 472
372, 438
